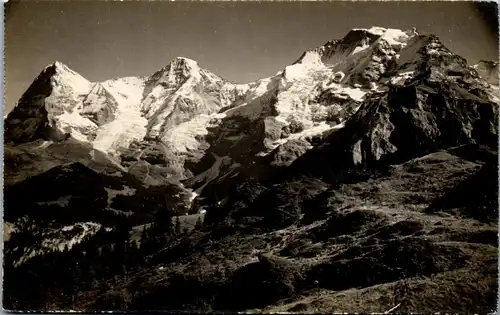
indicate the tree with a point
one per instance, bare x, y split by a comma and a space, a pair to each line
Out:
199, 223
163, 219
177, 225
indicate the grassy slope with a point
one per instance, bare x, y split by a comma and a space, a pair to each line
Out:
421, 260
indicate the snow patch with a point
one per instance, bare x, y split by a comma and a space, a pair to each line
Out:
119, 133
395, 37
298, 84
314, 131
126, 91
43, 145
182, 137
311, 58
410, 53
71, 79
376, 30
60, 243
359, 49
120, 212
345, 91
401, 77
212, 173
356, 94
59, 239
112, 193
128, 125
61, 202
304, 135
193, 196
78, 126
258, 88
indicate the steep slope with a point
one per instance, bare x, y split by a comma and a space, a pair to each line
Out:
442, 106
370, 240
33, 158
46, 205
128, 125
99, 105
181, 91
50, 102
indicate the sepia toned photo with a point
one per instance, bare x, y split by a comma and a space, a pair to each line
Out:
257, 157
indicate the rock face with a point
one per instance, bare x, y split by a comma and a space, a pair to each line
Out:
285, 154
405, 123
441, 107
99, 105
55, 93
488, 70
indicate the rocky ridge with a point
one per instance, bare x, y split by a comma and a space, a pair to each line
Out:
187, 114
182, 104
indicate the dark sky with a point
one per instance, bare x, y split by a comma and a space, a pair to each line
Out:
240, 41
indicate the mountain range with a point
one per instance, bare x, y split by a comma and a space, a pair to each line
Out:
341, 178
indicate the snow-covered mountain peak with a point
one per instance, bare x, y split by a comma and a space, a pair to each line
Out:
426, 55
184, 61
59, 65
179, 69
376, 30
380, 31
178, 72
396, 37
62, 69
384, 42
50, 106
63, 76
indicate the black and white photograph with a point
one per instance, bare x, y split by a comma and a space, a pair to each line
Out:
250, 156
